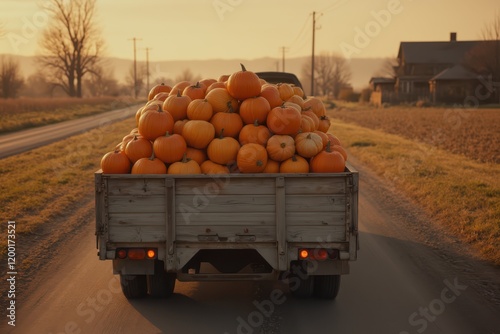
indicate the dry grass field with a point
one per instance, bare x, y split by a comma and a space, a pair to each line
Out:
455, 177
474, 133
23, 113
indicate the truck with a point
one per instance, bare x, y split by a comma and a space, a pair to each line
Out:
301, 229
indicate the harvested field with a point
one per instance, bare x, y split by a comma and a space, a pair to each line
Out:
474, 133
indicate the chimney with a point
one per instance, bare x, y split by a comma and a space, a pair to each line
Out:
453, 36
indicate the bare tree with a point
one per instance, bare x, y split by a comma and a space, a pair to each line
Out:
187, 75
101, 82
484, 59
138, 85
71, 44
331, 73
10, 78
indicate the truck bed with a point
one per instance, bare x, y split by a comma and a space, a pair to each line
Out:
226, 211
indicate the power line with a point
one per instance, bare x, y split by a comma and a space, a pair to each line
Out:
283, 50
302, 30
335, 5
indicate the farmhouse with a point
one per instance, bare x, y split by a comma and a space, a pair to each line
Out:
440, 72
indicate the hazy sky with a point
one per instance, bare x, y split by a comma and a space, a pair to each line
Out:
207, 29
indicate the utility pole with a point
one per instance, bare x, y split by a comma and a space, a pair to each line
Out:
283, 50
147, 69
312, 60
134, 39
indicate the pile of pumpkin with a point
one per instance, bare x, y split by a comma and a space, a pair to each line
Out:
238, 123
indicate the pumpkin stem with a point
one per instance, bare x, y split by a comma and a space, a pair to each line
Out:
328, 146
185, 159
283, 145
309, 136
167, 134
159, 108
152, 157
179, 93
162, 84
256, 122
243, 69
221, 136
197, 85
230, 107
294, 158
260, 163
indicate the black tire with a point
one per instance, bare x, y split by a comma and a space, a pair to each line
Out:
301, 288
161, 284
326, 286
134, 286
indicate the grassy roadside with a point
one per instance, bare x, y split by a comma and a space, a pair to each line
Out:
25, 113
42, 184
462, 195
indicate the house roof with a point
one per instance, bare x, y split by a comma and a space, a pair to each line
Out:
381, 80
457, 72
436, 52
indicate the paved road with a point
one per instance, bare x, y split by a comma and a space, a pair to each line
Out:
397, 286
21, 141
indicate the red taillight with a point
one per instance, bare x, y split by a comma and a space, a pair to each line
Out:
121, 253
136, 254
319, 254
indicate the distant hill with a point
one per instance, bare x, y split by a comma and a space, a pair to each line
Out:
362, 68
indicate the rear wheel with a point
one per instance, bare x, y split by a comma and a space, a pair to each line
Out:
161, 284
301, 287
134, 286
326, 286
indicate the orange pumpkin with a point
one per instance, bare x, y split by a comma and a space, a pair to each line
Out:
298, 91
306, 124
284, 120
333, 139
221, 100
200, 109
170, 147
231, 122
280, 147
177, 105
196, 91
150, 165
243, 84
327, 161
198, 134
324, 124
207, 82
115, 162
272, 95
297, 100
272, 167
158, 89
316, 105
198, 155
153, 124
223, 78
185, 166
210, 167
223, 150
215, 85
179, 125
285, 90
313, 116
254, 109
323, 136
254, 133
340, 149
180, 86
138, 148
251, 158
308, 144
295, 164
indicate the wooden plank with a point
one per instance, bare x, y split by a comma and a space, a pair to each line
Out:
281, 222
139, 186
145, 233
191, 233
315, 233
225, 203
137, 219
315, 186
225, 218
315, 203
136, 203
210, 188
316, 219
